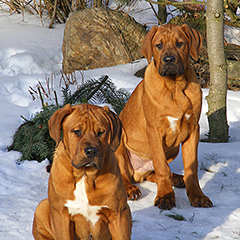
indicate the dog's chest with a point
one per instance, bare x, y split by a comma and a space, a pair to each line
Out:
178, 129
176, 123
80, 205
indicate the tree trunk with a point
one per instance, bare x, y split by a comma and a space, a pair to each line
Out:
162, 12
218, 127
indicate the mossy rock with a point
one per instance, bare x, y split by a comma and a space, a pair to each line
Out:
100, 37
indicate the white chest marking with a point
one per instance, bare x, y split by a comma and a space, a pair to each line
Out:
172, 122
80, 205
187, 116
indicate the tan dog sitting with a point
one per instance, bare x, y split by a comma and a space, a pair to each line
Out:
86, 195
162, 113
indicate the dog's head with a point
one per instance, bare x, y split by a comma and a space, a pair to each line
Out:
171, 46
88, 132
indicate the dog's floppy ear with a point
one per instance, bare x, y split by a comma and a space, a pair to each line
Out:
146, 50
116, 129
55, 122
195, 41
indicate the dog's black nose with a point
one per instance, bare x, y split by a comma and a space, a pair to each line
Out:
91, 152
168, 60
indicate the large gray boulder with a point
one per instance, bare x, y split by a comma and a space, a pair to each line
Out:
100, 37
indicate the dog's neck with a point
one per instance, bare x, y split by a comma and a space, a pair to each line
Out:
88, 172
171, 82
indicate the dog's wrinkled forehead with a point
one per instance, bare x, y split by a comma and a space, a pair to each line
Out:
85, 118
168, 36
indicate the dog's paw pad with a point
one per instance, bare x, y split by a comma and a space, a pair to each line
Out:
133, 192
200, 201
166, 203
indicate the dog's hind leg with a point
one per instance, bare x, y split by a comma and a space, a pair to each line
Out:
176, 179
126, 169
41, 224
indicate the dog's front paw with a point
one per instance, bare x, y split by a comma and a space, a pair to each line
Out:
177, 180
133, 192
199, 201
167, 202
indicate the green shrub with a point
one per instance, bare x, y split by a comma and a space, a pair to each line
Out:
32, 138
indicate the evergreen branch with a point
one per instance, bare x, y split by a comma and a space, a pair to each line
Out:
24, 118
103, 80
66, 94
32, 138
107, 99
29, 146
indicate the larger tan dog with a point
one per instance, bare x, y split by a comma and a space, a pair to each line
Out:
162, 113
86, 195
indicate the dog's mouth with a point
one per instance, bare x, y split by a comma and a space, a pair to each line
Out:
171, 70
86, 162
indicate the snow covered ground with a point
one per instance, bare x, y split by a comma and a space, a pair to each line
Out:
28, 52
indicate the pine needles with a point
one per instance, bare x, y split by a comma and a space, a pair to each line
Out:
32, 138
98, 91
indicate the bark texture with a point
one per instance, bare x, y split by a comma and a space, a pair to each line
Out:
218, 127
162, 12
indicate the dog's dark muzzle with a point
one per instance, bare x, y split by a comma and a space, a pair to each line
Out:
171, 66
92, 159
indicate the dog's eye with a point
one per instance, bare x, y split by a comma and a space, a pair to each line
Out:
100, 133
179, 44
78, 132
159, 46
